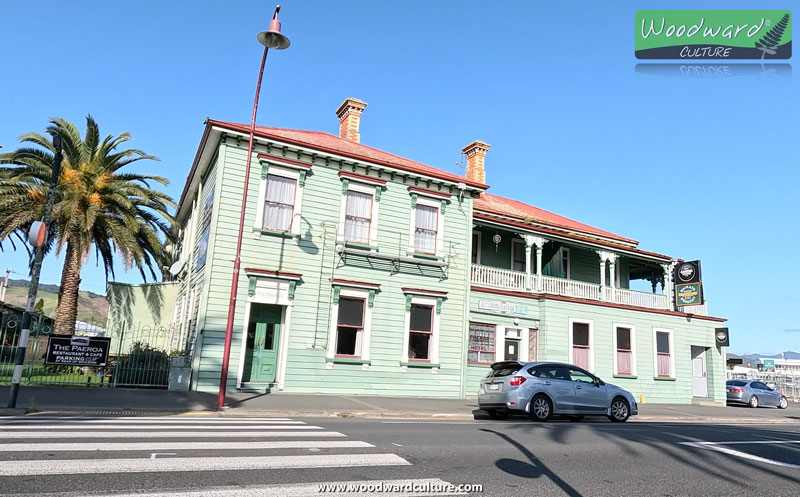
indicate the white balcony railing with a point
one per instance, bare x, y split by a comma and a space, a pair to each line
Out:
700, 310
498, 278
570, 288
641, 299
507, 279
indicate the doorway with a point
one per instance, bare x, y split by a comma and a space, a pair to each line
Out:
699, 376
263, 333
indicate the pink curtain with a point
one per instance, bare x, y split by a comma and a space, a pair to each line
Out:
624, 362
663, 364
580, 356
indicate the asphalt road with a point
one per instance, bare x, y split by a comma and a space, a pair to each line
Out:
221, 457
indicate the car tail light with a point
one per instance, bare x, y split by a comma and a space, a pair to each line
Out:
516, 381
737, 390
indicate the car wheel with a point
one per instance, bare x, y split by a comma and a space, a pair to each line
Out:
783, 404
620, 410
541, 408
753, 401
575, 418
497, 413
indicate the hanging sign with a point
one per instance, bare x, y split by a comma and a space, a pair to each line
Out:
688, 284
77, 350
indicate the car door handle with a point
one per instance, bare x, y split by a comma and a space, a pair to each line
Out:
578, 387
546, 382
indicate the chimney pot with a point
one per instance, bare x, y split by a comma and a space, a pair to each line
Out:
349, 114
476, 156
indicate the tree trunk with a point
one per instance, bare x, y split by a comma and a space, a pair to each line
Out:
67, 311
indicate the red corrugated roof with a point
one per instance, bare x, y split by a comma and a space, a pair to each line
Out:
332, 143
520, 210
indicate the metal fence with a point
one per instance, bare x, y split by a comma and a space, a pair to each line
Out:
138, 357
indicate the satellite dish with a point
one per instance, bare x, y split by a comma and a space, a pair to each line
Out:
176, 268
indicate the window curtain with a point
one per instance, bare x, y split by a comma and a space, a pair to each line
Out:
279, 203
426, 220
358, 214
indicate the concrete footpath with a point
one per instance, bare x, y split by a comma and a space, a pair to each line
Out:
121, 401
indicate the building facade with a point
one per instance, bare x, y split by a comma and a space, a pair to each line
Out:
367, 273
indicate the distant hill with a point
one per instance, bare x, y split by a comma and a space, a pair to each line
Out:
92, 308
787, 355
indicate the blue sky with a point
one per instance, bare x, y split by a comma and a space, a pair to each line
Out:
697, 167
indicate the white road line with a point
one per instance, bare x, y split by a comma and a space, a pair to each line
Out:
290, 490
744, 455
148, 420
749, 442
183, 464
207, 426
161, 446
162, 434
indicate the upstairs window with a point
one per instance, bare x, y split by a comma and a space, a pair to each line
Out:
518, 255
279, 203
358, 217
426, 224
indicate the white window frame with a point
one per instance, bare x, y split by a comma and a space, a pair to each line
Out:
356, 293
500, 342
433, 348
368, 189
517, 241
671, 352
283, 172
631, 327
591, 340
427, 202
565, 255
480, 241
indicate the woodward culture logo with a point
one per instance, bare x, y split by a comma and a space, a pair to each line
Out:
713, 34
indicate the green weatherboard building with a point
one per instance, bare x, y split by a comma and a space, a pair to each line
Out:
366, 273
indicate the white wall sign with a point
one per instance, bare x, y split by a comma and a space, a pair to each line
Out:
502, 307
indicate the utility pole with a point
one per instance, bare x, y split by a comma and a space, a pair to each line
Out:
36, 269
4, 286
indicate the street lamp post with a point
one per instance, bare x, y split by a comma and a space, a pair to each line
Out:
271, 38
36, 269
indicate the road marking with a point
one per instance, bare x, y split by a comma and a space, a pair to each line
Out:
154, 455
751, 442
157, 446
290, 490
396, 444
161, 434
744, 455
184, 464
134, 420
207, 426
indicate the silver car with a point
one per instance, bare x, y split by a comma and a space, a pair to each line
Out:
754, 393
542, 389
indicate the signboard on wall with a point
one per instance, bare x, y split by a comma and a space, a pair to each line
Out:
769, 365
501, 307
77, 350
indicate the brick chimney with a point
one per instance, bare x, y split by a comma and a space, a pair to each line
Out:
476, 155
349, 114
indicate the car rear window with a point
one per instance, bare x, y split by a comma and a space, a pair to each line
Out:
500, 370
736, 383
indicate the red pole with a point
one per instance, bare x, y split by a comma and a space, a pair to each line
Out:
223, 380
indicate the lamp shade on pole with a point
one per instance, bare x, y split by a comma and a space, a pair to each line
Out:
273, 38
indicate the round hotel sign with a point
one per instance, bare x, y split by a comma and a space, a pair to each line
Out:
687, 272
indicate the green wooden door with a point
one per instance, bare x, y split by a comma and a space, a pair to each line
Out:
263, 331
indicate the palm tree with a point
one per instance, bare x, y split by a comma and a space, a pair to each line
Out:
96, 205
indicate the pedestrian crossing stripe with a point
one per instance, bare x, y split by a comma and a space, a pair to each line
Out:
169, 434
164, 446
184, 464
